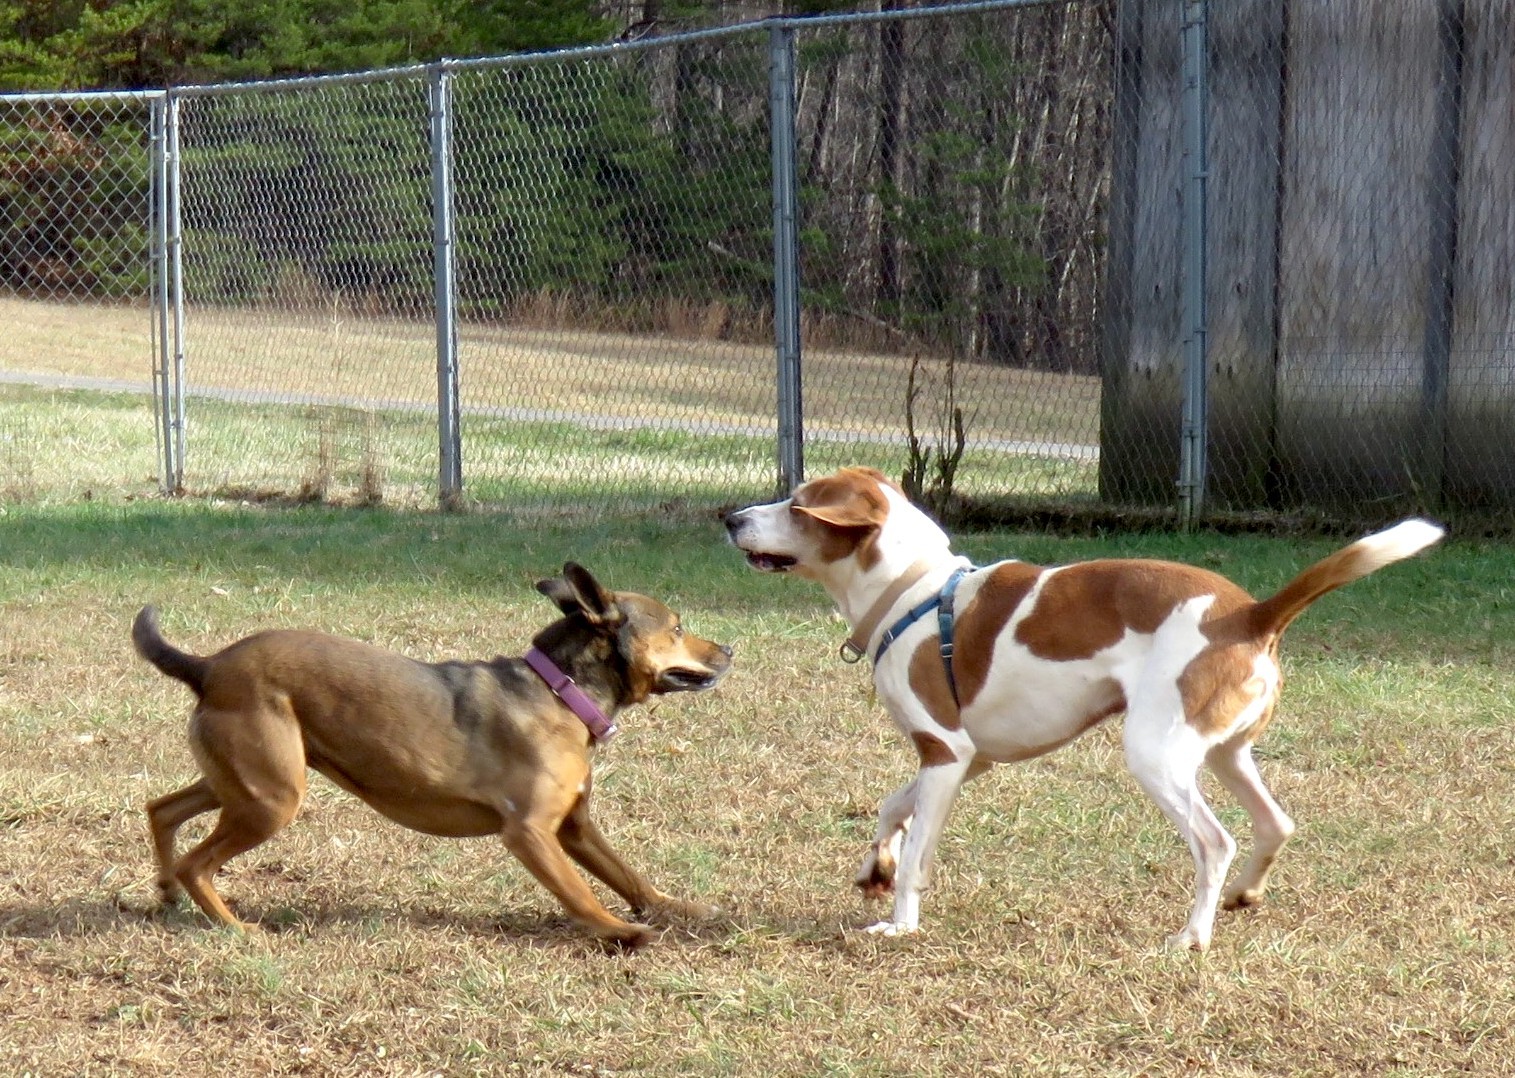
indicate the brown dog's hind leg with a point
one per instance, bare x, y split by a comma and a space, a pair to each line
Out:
253, 762
587, 845
242, 826
165, 816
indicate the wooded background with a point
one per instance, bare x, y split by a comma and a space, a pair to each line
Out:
953, 171
1000, 188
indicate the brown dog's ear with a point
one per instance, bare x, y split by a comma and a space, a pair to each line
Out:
578, 592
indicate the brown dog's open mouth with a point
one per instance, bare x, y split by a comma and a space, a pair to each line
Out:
770, 563
682, 680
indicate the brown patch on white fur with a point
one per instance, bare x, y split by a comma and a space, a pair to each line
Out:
928, 680
932, 749
1085, 608
1218, 686
1221, 682
844, 513
981, 622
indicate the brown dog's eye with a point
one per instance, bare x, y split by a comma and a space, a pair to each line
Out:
678, 630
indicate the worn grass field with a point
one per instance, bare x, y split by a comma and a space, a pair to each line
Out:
326, 401
339, 354
1385, 947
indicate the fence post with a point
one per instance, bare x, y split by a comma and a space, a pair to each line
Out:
168, 291
786, 270
162, 395
449, 425
176, 284
1441, 265
1193, 438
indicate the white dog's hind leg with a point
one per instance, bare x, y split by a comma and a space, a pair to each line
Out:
1164, 753
1271, 826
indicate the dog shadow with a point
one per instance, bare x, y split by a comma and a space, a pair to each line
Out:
68, 918
78, 917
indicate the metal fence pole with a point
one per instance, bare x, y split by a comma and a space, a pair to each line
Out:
162, 391
449, 420
786, 270
176, 283
1192, 464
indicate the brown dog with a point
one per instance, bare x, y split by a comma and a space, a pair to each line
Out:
456, 749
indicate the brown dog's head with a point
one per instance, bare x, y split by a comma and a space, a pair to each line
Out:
632, 635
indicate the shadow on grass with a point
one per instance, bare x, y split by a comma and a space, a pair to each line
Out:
1454, 599
74, 918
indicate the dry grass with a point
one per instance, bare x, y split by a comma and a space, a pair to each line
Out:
1384, 950
339, 354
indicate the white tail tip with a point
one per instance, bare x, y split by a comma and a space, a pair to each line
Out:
1401, 541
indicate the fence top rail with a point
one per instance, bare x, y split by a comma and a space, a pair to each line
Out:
583, 52
52, 97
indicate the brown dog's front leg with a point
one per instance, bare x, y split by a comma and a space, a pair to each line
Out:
540, 851
587, 845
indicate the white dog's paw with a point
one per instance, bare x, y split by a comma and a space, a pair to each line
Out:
891, 929
1188, 940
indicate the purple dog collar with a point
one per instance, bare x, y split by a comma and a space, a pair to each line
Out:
601, 728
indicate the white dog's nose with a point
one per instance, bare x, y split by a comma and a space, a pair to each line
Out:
733, 520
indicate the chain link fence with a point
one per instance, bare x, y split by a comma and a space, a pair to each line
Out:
76, 265
952, 243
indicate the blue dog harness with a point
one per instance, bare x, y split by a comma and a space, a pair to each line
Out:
942, 602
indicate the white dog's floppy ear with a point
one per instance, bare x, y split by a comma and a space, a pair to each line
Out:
578, 592
843, 501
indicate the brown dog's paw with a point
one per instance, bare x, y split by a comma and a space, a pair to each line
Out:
630, 937
678, 909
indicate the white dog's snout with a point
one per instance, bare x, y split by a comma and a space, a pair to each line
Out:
736, 520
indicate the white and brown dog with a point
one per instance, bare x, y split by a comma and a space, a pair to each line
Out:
1027, 658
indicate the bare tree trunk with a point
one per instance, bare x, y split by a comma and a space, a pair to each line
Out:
823, 118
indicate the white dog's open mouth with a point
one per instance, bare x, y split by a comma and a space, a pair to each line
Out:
770, 563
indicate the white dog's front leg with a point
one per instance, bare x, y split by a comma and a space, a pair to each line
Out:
935, 790
876, 876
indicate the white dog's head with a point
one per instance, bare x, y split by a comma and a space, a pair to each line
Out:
836, 528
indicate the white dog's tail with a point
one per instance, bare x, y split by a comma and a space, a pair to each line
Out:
1272, 616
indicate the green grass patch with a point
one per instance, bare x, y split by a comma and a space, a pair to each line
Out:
58, 445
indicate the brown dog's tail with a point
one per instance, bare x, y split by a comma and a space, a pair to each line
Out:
1272, 616
150, 644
